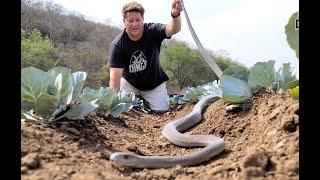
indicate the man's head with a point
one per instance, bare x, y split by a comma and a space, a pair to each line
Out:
132, 7
132, 13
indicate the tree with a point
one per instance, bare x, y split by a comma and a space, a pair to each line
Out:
37, 51
185, 66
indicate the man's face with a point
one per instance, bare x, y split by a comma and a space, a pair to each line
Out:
134, 24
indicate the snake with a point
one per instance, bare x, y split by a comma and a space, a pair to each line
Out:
213, 145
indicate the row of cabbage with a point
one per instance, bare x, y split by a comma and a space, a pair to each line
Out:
58, 93
237, 85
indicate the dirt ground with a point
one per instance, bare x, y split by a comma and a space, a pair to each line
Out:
262, 142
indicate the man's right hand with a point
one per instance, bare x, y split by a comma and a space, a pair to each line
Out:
176, 7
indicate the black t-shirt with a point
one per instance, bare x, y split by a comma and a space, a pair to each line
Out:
140, 59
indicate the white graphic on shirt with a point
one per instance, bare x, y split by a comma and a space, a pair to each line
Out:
138, 62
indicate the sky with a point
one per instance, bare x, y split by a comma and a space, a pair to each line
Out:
249, 31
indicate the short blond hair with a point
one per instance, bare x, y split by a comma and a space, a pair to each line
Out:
132, 7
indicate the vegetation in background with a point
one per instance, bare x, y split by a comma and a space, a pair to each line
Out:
292, 33
37, 50
83, 45
186, 67
109, 100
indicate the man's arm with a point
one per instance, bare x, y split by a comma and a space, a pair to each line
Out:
115, 76
174, 25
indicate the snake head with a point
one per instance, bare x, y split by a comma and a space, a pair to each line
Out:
124, 159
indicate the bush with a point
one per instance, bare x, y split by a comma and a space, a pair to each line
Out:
181, 65
37, 51
186, 67
86, 57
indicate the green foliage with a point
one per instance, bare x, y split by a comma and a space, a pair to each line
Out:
81, 44
178, 99
193, 94
37, 51
295, 93
185, 66
262, 74
67, 89
103, 75
50, 96
33, 84
286, 78
109, 100
291, 85
292, 33
223, 60
234, 90
237, 72
230, 89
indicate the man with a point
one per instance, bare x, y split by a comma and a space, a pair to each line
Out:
134, 55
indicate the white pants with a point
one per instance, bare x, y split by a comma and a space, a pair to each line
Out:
158, 98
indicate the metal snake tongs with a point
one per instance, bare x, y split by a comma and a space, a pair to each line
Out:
203, 52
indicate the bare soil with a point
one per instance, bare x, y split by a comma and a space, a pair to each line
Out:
262, 142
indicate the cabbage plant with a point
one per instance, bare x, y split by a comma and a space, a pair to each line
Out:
234, 90
177, 99
230, 89
237, 84
194, 94
109, 100
263, 74
52, 95
292, 32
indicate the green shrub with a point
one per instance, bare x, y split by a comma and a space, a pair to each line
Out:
186, 67
37, 51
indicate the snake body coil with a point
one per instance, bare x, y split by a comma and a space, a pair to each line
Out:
171, 131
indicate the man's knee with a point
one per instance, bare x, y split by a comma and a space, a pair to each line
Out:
158, 99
